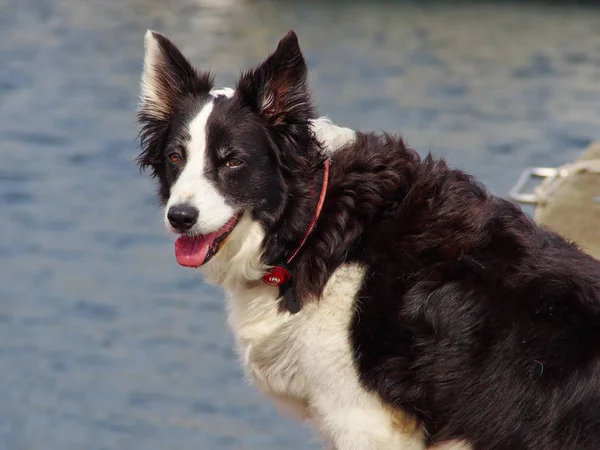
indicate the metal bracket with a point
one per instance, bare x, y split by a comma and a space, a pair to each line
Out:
532, 172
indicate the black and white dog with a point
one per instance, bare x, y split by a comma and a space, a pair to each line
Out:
388, 299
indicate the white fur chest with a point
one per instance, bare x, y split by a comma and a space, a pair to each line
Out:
284, 350
305, 363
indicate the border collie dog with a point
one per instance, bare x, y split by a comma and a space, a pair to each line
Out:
387, 299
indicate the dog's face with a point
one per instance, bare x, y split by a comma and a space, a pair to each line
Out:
221, 154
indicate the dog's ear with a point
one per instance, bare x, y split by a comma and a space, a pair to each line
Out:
167, 75
278, 88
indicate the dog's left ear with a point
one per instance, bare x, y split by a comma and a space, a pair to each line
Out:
278, 89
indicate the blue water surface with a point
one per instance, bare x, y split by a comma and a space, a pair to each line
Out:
105, 342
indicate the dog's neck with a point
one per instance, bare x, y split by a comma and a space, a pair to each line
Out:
281, 274
370, 179
303, 190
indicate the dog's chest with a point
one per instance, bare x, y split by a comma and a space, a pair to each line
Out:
295, 357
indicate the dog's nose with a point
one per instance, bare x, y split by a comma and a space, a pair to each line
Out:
182, 217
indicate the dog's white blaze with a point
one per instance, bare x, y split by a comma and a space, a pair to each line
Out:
193, 187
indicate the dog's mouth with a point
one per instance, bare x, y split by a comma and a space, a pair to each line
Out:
194, 251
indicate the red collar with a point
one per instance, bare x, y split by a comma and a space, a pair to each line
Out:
280, 274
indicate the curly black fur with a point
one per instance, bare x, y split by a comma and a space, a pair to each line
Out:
483, 325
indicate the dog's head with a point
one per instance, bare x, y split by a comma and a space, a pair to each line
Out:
225, 158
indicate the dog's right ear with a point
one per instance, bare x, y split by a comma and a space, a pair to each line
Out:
167, 75
278, 88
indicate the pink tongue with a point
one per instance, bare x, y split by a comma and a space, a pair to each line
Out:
192, 251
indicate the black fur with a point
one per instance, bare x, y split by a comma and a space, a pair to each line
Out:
479, 323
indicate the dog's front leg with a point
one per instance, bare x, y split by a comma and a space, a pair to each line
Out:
360, 422
273, 366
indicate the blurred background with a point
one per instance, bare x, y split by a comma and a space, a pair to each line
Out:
105, 342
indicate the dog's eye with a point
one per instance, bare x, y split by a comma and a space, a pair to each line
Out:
175, 158
233, 162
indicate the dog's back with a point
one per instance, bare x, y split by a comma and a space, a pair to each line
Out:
474, 319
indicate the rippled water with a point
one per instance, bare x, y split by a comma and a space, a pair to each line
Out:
105, 342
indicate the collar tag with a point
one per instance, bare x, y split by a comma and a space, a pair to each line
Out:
289, 296
277, 276
280, 276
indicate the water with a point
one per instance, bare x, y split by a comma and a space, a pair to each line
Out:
105, 342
